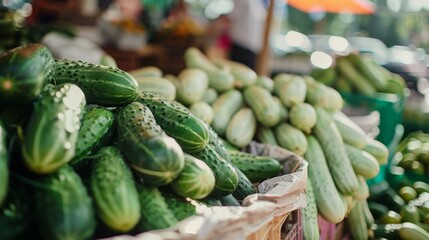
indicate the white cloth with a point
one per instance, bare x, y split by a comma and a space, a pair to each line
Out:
247, 23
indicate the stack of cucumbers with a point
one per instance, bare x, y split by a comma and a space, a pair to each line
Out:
295, 112
84, 153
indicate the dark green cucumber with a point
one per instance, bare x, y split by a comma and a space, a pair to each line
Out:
377, 209
102, 85
189, 131
154, 156
63, 206
155, 213
4, 169
211, 202
218, 143
113, 190
181, 207
52, 131
244, 188
23, 73
256, 168
196, 180
388, 231
266, 135
229, 200
226, 178
96, 130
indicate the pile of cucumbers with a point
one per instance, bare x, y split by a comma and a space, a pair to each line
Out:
401, 213
359, 74
84, 153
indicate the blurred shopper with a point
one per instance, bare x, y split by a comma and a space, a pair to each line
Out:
246, 30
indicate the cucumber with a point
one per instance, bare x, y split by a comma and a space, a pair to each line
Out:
291, 91
392, 200
265, 82
421, 187
157, 85
96, 130
108, 60
369, 70
356, 79
387, 231
303, 117
228, 146
377, 209
196, 180
362, 193
218, 144
291, 138
363, 163
219, 79
211, 202
317, 93
334, 100
203, 111
63, 206
181, 207
343, 85
283, 111
350, 132
113, 191
23, 73
52, 131
356, 222
105, 86
310, 227
349, 202
210, 95
4, 169
407, 193
266, 135
410, 214
369, 218
243, 75
224, 108
226, 178
148, 71
229, 200
256, 168
328, 199
154, 156
241, 128
155, 213
411, 231
263, 105
192, 84
244, 187
333, 147
190, 132
378, 150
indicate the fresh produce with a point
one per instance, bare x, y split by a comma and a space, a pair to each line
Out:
291, 90
148, 71
350, 132
191, 85
310, 225
153, 155
356, 222
256, 168
203, 111
262, 104
303, 116
291, 138
51, 134
157, 85
265, 82
244, 187
224, 107
363, 163
241, 128
243, 75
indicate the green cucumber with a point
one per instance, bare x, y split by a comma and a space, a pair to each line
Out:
52, 131
356, 222
210, 95
211, 202
265, 82
224, 108
154, 156
339, 164
410, 214
102, 85
229, 200
387, 231
303, 116
328, 199
266, 135
370, 70
362, 193
356, 79
350, 132
181, 207
226, 178
63, 206
155, 213
218, 144
190, 132
244, 187
378, 150
263, 105
113, 190
369, 218
157, 85
241, 128
317, 93
290, 91
291, 138
243, 75
363, 163
96, 130
203, 111
283, 111
4, 169
229, 147
256, 168
310, 227
377, 209
196, 180
108, 60
149, 71
334, 101
23, 73
411, 231
192, 84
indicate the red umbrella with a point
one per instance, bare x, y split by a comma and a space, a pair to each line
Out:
334, 6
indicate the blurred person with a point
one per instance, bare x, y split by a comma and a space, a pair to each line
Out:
246, 30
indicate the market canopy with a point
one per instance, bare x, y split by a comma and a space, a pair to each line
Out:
334, 6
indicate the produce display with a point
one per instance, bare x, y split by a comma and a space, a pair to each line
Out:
95, 155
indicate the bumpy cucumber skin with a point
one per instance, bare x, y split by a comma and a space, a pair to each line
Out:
153, 155
97, 128
52, 131
23, 73
102, 85
310, 225
69, 214
113, 190
189, 131
244, 187
256, 168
